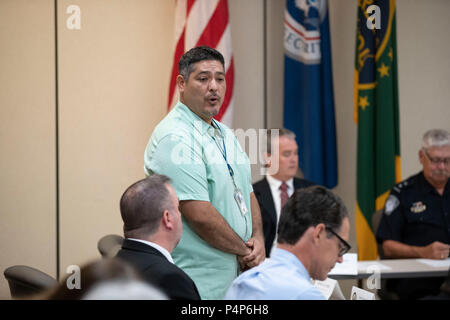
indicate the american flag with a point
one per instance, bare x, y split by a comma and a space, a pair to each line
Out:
204, 23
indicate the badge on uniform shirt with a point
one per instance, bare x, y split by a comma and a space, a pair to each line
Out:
418, 207
240, 201
392, 203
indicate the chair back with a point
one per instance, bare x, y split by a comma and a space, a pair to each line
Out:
376, 219
109, 245
25, 281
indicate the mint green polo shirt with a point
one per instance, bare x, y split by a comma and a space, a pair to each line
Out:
182, 148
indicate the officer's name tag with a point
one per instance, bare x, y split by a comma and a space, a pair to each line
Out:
240, 201
418, 207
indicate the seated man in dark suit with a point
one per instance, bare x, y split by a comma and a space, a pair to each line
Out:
279, 184
152, 228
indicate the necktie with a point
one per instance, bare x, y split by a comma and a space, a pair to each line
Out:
283, 194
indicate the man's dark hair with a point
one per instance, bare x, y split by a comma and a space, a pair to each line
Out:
309, 207
143, 204
187, 61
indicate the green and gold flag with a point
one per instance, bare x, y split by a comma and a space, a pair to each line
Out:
377, 116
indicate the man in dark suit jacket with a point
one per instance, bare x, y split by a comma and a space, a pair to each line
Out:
152, 228
279, 184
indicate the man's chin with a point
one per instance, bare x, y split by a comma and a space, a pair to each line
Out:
212, 112
321, 277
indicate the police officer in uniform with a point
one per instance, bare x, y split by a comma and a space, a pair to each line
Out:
416, 219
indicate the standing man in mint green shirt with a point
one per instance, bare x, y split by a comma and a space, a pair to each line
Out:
222, 229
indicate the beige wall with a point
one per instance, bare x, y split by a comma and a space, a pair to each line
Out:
113, 79
247, 42
27, 137
424, 74
112, 73
343, 36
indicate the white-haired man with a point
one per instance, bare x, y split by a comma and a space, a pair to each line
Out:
416, 219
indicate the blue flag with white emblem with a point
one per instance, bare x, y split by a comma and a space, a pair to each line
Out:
308, 89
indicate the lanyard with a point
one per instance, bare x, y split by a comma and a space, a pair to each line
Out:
224, 152
237, 193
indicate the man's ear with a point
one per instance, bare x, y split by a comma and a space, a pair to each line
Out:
318, 231
167, 220
267, 160
181, 83
421, 156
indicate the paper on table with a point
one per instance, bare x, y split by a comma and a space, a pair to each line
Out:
326, 286
348, 267
337, 293
364, 265
361, 294
435, 263
330, 289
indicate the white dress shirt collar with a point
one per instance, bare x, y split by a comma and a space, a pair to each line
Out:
157, 247
275, 184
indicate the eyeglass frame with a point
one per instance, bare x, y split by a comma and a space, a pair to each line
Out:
342, 250
436, 161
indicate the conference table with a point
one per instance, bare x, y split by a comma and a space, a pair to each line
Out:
394, 268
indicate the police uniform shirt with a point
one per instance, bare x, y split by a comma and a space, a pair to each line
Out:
416, 214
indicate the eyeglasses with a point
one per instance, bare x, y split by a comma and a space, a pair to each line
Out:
345, 247
436, 161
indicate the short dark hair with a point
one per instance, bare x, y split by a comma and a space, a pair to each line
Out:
309, 207
280, 132
197, 54
143, 204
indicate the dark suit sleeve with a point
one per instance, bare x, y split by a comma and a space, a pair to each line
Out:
302, 183
179, 287
269, 227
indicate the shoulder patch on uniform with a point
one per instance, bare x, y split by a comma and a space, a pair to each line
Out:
392, 203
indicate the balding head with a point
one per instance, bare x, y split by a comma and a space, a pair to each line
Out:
143, 204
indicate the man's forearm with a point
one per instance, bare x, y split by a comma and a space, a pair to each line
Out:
256, 242
209, 224
395, 249
435, 250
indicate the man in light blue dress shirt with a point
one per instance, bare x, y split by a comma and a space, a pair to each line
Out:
312, 236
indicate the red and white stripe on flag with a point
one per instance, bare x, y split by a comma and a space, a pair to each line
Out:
204, 23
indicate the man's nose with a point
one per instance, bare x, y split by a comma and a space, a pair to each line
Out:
213, 85
441, 165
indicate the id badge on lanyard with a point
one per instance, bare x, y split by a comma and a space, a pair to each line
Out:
240, 201
238, 196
